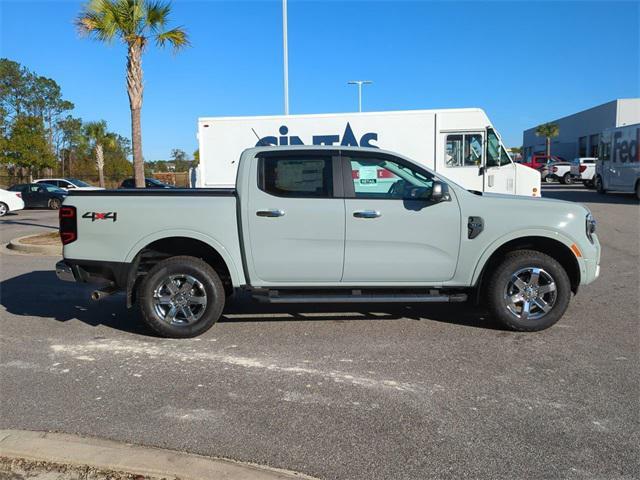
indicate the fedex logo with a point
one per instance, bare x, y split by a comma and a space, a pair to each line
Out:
348, 139
625, 150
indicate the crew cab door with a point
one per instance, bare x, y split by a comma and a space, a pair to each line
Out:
499, 171
395, 233
295, 219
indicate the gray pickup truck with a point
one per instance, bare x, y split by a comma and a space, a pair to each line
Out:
327, 224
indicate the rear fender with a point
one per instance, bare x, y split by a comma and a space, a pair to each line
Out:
237, 277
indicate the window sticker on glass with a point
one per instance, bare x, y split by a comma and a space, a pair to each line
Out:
368, 175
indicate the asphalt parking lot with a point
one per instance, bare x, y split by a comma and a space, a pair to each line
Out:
388, 392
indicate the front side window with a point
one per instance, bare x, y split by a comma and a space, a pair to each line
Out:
387, 179
496, 154
292, 176
463, 150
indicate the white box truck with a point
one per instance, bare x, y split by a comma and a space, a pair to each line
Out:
618, 167
460, 144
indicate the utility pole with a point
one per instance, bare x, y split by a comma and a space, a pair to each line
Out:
359, 83
285, 47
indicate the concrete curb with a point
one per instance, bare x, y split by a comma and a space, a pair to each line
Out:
110, 455
17, 245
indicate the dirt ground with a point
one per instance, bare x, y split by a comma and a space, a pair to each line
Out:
52, 238
21, 469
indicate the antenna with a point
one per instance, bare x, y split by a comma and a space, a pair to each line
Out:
258, 137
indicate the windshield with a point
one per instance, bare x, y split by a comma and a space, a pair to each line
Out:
78, 183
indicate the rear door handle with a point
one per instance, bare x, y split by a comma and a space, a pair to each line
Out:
367, 214
270, 213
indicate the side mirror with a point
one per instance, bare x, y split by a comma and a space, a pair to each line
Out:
481, 170
70, 186
438, 192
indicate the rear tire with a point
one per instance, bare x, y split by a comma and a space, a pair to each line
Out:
181, 297
54, 204
4, 209
599, 186
529, 291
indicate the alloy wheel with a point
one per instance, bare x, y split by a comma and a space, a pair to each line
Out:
179, 300
530, 294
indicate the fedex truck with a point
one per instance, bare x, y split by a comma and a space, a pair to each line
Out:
460, 144
618, 168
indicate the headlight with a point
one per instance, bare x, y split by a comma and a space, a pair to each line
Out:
590, 225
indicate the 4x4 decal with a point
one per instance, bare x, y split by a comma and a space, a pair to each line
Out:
101, 216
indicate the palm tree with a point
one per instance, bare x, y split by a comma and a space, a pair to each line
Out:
134, 22
548, 131
97, 134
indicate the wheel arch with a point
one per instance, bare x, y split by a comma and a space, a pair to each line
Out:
556, 247
159, 247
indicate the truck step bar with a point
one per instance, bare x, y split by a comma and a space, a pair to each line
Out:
356, 296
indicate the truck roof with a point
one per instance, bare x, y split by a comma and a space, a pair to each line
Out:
341, 114
332, 148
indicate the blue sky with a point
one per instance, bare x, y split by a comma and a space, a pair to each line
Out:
523, 62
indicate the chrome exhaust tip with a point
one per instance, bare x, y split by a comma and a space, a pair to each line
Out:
103, 292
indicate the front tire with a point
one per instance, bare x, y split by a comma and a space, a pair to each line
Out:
566, 179
4, 209
529, 291
181, 297
638, 190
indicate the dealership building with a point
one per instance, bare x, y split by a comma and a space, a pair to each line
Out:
580, 133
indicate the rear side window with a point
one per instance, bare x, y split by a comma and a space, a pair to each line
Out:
293, 176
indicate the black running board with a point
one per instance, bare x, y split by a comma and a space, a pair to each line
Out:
282, 297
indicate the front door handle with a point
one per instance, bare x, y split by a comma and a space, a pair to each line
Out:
367, 214
270, 213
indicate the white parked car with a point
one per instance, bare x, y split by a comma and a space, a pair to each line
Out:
584, 168
68, 183
10, 202
560, 171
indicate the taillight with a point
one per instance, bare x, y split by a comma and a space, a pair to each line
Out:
68, 224
582, 168
19, 195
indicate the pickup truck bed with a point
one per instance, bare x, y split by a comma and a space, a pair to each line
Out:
320, 224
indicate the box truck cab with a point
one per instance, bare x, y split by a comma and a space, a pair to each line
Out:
458, 143
618, 167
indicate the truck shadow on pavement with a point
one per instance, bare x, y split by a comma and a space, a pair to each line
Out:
40, 294
244, 309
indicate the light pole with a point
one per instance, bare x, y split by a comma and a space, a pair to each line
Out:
359, 83
285, 47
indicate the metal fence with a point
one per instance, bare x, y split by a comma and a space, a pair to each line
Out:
179, 179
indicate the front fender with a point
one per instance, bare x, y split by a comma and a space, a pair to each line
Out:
518, 234
236, 277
